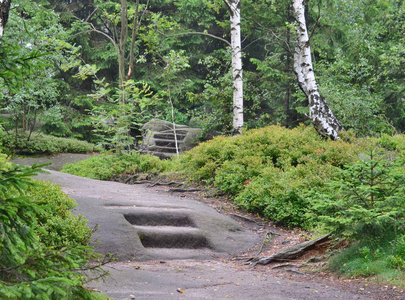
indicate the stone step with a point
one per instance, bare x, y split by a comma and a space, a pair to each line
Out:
169, 135
178, 131
178, 253
159, 140
159, 218
166, 148
172, 237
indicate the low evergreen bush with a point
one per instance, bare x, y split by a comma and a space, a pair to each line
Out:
57, 226
43, 144
268, 170
106, 166
43, 245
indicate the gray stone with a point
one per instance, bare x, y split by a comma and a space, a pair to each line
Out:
139, 224
159, 137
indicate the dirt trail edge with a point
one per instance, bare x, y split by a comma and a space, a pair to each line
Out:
175, 248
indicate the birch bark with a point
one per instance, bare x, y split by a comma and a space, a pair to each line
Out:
234, 10
320, 114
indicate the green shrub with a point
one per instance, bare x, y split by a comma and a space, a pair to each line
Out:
34, 265
43, 144
57, 226
105, 166
366, 202
268, 170
279, 194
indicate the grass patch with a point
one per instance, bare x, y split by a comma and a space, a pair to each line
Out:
360, 260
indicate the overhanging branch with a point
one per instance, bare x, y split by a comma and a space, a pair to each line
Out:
200, 33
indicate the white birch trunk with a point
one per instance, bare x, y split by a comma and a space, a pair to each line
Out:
320, 114
234, 9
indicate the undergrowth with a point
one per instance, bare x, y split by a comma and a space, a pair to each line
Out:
107, 166
268, 170
384, 263
352, 187
42, 244
40, 143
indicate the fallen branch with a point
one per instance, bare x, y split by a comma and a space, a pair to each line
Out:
243, 218
288, 266
309, 261
184, 190
171, 183
154, 183
295, 272
289, 253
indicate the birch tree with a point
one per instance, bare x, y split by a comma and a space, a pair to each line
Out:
4, 11
236, 52
234, 10
320, 114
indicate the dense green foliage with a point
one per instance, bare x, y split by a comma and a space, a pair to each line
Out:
366, 200
43, 144
174, 53
267, 170
56, 226
107, 166
365, 205
43, 245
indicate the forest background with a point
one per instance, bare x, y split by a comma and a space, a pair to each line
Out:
173, 62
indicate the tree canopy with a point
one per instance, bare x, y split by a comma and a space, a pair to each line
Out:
93, 57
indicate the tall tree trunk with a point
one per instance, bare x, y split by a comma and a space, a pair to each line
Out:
287, 111
234, 9
135, 28
320, 114
122, 43
4, 11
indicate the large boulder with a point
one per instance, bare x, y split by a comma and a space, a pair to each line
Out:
159, 138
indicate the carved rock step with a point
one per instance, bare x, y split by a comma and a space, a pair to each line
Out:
162, 154
159, 218
159, 140
170, 147
170, 135
172, 237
